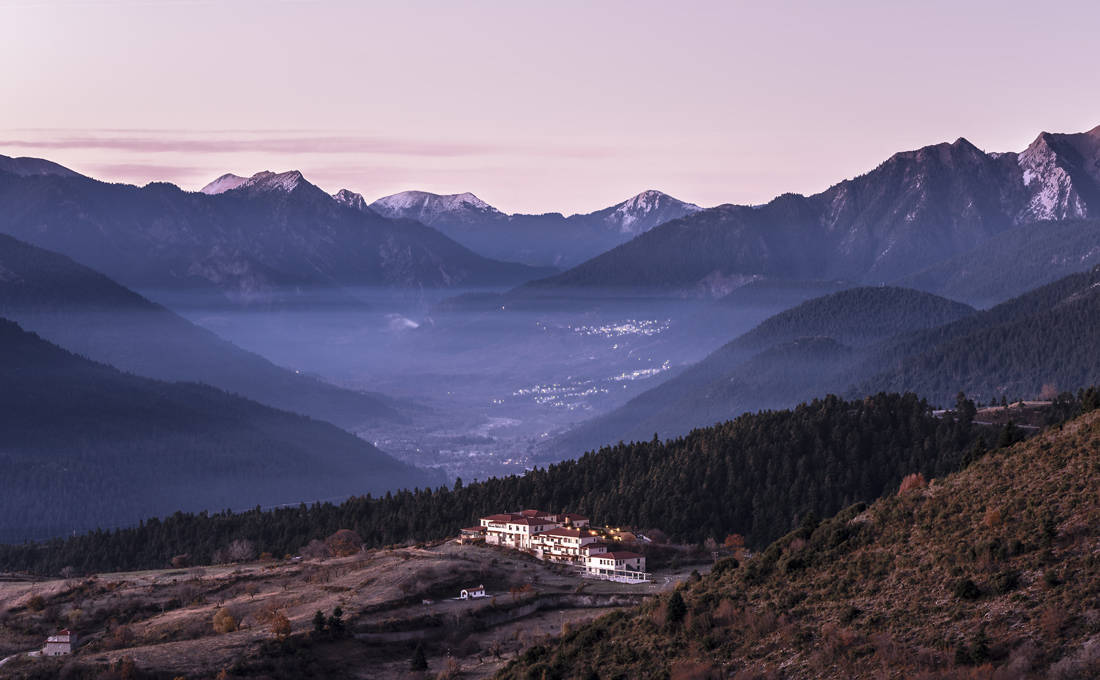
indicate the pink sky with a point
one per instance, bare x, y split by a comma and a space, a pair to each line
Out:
556, 106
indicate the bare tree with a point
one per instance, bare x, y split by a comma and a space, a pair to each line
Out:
240, 550
316, 549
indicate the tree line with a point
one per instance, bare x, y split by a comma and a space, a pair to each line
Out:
757, 475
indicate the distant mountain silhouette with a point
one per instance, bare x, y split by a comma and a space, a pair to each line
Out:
547, 239
268, 232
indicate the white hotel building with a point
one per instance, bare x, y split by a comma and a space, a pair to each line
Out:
562, 538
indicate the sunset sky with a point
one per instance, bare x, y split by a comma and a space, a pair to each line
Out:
549, 106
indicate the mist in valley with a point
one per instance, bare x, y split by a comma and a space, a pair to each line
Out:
482, 380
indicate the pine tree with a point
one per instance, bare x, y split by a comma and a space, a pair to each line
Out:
676, 609
419, 661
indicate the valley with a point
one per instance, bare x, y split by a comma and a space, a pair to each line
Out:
549, 341
483, 388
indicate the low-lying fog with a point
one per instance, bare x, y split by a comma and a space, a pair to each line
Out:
487, 384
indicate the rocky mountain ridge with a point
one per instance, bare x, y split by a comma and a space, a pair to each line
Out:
916, 209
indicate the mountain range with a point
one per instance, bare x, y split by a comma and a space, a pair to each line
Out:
547, 239
269, 232
914, 212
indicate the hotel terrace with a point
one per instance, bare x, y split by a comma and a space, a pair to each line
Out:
564, 538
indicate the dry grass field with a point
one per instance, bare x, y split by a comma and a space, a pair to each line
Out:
228, 621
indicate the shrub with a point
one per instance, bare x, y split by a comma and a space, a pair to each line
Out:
180, 561
911, 482
724, 565
280, 625
224, 622
343, 543
1005, 582
967, 590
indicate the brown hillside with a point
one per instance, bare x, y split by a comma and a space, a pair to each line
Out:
993, 572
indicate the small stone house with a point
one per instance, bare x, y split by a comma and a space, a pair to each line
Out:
60, 644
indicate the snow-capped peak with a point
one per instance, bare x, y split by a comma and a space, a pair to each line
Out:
270, 181
351, 199
224, 183
646, 210
428, 208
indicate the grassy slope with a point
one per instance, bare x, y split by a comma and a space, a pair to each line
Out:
874, 593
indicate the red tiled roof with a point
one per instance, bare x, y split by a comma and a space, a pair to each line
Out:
505, 517
594, 546
574, 517
621, 555
570, 533
530, 522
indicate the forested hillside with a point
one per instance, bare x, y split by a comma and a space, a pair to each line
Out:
855, 317
1018, 260
757, 475
85, 446
87, 313
987, 573
1040, 342
808, 350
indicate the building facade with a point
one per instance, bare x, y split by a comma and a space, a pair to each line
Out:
60, 644
564, 538
618, 565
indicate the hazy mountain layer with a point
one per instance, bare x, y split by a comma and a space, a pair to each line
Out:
86, 446
89, 314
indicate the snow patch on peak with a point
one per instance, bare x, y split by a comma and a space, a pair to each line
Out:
351, 199
270, 181
226, 182
646, 210
1054, 195
429, 208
